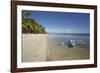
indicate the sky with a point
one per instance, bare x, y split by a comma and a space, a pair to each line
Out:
63, 22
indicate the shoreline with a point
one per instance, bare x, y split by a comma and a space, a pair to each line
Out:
63, 52
36, 47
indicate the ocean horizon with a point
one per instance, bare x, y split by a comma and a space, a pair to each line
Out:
71, 33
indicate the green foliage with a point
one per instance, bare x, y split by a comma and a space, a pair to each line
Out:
31, 26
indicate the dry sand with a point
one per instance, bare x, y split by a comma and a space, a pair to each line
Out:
35, 48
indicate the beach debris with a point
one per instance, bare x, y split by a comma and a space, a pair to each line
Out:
73, 43
63, 43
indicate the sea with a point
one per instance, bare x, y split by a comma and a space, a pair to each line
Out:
57, 38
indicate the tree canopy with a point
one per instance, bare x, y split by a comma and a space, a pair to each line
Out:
29, 25
26, 14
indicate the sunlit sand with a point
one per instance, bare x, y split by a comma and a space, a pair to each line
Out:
34, 47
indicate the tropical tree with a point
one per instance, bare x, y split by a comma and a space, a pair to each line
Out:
31, 26
26, 14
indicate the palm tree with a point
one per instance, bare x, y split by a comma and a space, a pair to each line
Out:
29, 25
26, 14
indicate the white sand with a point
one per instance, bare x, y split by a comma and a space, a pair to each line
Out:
34, 47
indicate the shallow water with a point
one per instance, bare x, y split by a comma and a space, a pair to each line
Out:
58, 38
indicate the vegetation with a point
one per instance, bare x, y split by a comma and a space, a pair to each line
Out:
29, 25
26, 14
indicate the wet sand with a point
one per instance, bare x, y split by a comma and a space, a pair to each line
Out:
63, 52
35, 47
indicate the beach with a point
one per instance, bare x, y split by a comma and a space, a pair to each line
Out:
36, 47
63, 52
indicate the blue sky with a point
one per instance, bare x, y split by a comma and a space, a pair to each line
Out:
63, 22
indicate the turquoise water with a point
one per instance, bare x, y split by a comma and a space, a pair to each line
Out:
57, 38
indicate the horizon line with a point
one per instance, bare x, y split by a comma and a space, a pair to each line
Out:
68, 33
